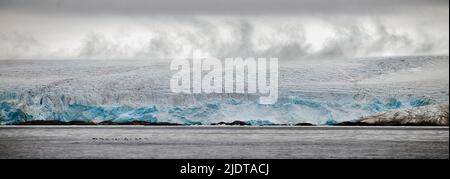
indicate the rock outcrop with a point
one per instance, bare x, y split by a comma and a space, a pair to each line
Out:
432, 115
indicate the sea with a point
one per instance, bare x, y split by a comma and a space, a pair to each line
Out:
228, 142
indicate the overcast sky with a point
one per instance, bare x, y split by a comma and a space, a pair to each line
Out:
221, 6
165, 28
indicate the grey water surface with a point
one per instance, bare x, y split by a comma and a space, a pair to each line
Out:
222, 142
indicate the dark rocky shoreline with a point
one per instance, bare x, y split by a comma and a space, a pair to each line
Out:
53, 122
234, 123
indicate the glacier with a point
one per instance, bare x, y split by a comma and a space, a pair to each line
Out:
311, 91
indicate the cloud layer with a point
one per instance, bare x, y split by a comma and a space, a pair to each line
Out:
290, 30
219, 6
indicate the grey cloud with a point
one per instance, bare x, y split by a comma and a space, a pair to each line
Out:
355, 40
219, 6
89, 28
286, 43
18, 45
